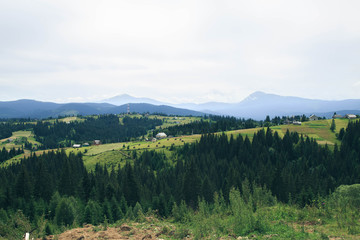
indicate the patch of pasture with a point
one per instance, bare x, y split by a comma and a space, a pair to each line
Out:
110, 158
71, 119
18, 139
319, 130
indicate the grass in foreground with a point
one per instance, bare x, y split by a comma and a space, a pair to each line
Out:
252, 213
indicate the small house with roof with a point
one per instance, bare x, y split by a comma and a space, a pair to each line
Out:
313, 118
350, 116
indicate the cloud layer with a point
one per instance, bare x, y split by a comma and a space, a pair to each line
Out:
178, 51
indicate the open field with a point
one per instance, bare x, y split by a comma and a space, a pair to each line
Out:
117, 153
168, 121
66, 119
319, 130
18, 138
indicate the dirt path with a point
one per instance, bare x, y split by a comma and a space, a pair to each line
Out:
89, 232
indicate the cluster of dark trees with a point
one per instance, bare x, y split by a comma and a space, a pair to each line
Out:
106, 128
277, 120
211, 124
294, 168
5, 154
10, 126
5, 131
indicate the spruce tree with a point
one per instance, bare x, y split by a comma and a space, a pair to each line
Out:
333, 125
192, 184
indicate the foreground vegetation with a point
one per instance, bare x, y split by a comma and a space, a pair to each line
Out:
216, 187
280, 182
250, 213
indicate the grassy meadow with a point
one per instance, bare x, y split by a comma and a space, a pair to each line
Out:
16, 139
319, 130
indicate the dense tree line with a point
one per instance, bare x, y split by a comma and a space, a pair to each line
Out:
5, 130
10, 126
58, 187
277, 120
5, 154
211, 124
106, 128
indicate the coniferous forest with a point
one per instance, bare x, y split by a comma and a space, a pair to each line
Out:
106, 128
211, 124
57, 189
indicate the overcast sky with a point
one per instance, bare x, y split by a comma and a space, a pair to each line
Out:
178, 51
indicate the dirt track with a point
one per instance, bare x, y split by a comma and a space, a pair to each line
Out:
89, 232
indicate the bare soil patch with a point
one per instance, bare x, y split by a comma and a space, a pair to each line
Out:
89, 232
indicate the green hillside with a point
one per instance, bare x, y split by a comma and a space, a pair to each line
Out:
117, 153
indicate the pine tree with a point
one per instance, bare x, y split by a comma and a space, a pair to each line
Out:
43, 183
23, 185
130, 186
333, 125
192, 184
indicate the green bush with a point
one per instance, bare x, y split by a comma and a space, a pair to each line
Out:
65, 213
93, 213
138, 212
181, 213
15, 226
344, 204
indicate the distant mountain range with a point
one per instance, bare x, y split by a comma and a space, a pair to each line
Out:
257, 106
260, 104
34, 109
125, 99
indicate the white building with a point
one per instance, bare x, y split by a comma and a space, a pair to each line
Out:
296, 123
161, 135
350, 116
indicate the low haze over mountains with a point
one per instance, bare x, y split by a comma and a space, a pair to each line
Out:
35, 109
256, 106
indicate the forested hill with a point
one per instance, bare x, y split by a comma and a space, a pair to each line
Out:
295, 169
36, 109
106, 128
212, 124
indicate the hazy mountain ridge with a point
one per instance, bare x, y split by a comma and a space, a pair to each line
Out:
37, 109
257, 106
125, 98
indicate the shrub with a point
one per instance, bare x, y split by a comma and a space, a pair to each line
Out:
344, 204
16, 225
64, 213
